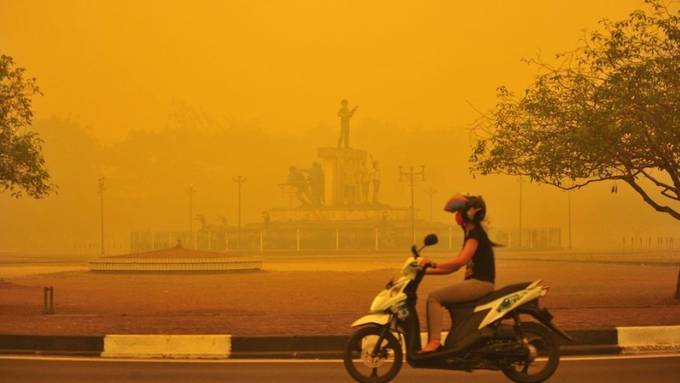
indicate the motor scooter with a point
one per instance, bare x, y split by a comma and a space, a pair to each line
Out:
487, 333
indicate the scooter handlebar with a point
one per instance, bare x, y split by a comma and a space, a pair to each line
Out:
416, 264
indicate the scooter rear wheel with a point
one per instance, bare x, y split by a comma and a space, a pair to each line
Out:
544, 359
365, 366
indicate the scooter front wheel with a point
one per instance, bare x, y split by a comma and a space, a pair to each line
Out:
368, 364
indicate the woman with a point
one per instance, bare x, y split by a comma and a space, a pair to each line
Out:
477, 257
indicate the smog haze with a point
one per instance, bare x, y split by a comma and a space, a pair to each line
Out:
156, 96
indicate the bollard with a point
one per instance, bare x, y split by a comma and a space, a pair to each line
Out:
45, 301
48, 300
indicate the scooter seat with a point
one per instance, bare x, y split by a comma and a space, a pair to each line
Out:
491, 296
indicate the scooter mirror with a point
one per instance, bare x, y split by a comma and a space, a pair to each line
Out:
431, 239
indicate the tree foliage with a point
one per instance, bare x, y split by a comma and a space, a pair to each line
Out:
22, 167
609, 110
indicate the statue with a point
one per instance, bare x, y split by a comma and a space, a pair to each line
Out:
296, 179
316, 184
345, 115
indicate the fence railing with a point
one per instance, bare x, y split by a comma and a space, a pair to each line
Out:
298, 239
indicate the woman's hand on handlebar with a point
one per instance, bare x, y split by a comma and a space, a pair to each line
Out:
426, 263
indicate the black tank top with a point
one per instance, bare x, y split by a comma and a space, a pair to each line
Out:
482, 263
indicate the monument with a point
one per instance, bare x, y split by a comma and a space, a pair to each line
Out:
333, 203
342, 184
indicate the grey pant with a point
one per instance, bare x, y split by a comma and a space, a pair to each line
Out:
468, 290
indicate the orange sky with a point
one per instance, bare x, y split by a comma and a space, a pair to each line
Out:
285, 64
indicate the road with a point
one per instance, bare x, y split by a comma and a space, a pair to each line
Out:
621, 369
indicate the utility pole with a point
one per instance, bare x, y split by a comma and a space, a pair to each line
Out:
520, 213
191, 191
239, 181
430, 191
569, 215
102, 187
412, 174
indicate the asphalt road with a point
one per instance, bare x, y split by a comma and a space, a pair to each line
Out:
658, 369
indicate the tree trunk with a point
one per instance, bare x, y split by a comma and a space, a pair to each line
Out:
677, 287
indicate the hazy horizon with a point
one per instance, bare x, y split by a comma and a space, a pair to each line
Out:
155, 96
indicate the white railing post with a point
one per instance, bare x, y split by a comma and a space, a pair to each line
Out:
298, 239
376, 239
261, 241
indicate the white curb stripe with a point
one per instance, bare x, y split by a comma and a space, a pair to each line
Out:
167, 346
649, 337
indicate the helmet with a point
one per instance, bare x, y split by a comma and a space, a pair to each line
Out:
455, 203
463, 203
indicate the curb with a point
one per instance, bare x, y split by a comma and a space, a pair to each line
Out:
602, 341
46, 344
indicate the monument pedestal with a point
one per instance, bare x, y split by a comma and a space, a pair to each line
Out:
332, 216
346, 178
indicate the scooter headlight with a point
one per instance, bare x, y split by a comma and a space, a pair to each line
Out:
401, 312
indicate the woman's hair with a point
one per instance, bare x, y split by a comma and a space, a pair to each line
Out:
485, 236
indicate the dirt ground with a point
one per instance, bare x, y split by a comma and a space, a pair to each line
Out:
283, 301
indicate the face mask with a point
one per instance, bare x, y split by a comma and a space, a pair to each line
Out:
459, 218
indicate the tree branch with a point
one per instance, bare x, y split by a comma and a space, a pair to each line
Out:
665, 186
663, 209
580, 185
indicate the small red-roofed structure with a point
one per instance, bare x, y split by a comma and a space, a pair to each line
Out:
176, 259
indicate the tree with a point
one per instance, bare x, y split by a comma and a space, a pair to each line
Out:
22, 167
609, 110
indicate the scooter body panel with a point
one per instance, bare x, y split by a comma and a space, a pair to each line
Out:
465, 320
498, 308
379, 319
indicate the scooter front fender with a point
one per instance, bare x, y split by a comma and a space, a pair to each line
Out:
379, 319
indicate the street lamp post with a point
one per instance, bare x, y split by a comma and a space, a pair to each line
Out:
102, 187
412, 174
239, 181
191, 191
430, 191
520, 213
